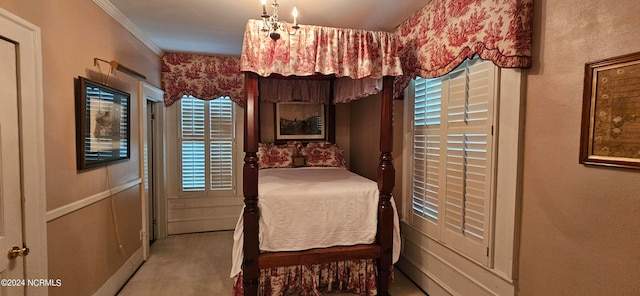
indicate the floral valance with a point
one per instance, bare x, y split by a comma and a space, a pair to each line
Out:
204, 77
445, 32
314, 49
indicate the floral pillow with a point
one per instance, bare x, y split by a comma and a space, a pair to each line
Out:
323, 154
275, 156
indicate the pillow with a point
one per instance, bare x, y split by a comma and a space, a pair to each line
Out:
323, 154
275, 156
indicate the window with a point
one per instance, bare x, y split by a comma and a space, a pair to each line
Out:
207, 144
453, 169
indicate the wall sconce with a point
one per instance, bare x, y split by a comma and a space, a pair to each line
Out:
120, 67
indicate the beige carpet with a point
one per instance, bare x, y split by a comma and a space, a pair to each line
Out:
199, 264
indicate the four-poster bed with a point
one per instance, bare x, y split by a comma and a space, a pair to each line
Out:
431, 43
361, 54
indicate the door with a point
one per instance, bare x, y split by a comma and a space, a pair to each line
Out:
150, 172
152, 166
11, 211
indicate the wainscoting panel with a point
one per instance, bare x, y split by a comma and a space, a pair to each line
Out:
200, 214
441, 271
85, 202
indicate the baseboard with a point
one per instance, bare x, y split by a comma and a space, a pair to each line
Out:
115, 283
216, 224
440, 271
423, 279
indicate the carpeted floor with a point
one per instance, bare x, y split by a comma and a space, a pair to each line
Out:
199, 264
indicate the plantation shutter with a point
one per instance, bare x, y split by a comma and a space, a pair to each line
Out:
221, 144
426, 153
469, 94
192, 123
452, 168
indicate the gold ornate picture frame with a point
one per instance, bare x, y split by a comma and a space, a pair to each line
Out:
610, 133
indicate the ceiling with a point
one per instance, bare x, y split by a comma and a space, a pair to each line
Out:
217, 27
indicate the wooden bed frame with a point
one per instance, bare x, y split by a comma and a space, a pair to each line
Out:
381, 250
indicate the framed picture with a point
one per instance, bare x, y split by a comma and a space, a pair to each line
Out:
102, 124
300, 121
611, 112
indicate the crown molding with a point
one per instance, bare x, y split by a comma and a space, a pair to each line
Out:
117, 15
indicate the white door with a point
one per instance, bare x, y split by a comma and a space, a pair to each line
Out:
11, 230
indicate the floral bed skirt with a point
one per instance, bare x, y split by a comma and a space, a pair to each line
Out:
358, 277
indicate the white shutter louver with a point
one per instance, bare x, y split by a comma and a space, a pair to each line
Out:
193, 174
468, 160
466, 179
192, 138
426, 151
221, 144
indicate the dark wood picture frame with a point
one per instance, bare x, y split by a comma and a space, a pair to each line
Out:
102, 124
300, 121
610, 134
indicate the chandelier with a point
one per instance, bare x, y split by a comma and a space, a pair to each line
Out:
271, 26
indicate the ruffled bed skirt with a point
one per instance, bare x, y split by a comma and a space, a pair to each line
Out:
358, 277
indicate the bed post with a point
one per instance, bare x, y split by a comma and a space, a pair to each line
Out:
386, 182
250, 269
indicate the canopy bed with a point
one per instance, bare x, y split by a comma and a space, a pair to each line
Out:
338, 56
357, 63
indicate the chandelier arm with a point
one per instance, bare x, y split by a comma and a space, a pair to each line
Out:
294, 27
271, 25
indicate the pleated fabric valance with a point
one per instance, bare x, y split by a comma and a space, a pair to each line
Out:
201, 76
437, 38
289, 90
324, 50
345, 89
430, 43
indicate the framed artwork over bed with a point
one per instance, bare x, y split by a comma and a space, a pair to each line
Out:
300, 121
102, 124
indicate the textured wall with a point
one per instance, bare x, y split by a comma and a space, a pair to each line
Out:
83, 245
580, 224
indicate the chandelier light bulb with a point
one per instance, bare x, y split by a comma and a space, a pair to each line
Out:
264, 8
295, 16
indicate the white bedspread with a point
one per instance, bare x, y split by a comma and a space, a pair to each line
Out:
305, 208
